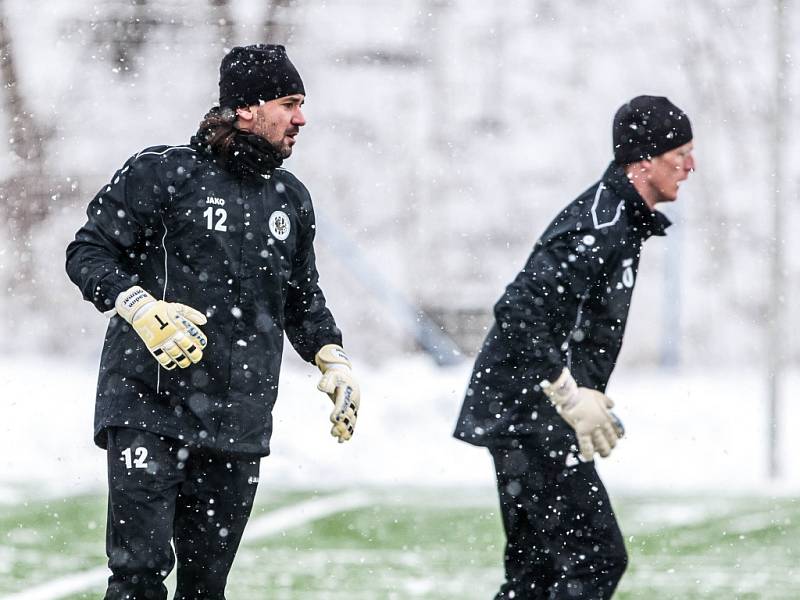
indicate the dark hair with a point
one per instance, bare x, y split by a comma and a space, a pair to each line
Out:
241, 152
217, 132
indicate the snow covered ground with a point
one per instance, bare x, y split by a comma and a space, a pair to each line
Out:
687, 432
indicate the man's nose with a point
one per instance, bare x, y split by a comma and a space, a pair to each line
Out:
298, 118
689, 163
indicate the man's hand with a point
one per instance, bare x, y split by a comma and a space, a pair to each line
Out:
587, 412
170, 330
337, 381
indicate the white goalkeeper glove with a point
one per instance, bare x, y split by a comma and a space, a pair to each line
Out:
588, 412
169, 329
337, 381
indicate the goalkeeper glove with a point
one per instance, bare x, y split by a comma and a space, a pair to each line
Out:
587, 412
169, 329
337, 381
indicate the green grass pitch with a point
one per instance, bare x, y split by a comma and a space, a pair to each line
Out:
440, 544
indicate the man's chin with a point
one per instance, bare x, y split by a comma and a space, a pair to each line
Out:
285, 150
282, 149
667, 195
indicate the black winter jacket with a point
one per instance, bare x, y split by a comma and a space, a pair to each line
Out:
241, 251
567, 307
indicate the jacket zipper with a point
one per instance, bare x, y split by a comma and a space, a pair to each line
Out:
163, 292
578, 319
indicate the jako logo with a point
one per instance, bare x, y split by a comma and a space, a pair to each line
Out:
215, 200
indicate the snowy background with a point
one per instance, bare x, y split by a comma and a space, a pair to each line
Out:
695, 433
443, 136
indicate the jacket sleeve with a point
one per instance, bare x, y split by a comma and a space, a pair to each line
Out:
308, 322
539, 309
125, 213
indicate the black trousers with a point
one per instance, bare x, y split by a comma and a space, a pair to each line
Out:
562, 538
163, 492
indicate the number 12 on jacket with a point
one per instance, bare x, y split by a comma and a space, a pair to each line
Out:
221, 215
137, 458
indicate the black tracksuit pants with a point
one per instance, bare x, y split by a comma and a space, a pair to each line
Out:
562, 538
161, 491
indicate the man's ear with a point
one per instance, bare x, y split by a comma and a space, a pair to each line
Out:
638, 170
245, 114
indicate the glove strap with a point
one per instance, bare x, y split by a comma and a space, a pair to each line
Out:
131, 301
330, 356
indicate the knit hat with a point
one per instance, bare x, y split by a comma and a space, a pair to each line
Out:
250, 74
648, 126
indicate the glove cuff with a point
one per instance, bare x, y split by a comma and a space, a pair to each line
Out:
562, 390
130, 301
332, 355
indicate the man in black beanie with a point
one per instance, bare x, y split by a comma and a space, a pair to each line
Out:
536, 398
210, 235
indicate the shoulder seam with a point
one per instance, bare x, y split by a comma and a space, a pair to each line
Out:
142, 153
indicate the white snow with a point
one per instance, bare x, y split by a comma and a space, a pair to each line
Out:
686, 432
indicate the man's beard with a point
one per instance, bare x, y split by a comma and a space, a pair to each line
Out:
264, 128
242, 153
281, 149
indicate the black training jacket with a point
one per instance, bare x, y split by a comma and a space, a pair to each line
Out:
241, 251
567, 307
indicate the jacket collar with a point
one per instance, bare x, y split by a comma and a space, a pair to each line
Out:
647, 222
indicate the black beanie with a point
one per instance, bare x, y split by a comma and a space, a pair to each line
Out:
648, 126
260, 72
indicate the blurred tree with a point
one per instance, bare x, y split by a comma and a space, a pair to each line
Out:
777, 293
127, 35
278, 24
24, 194
224, 21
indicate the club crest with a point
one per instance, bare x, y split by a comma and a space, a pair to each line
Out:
279, 225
